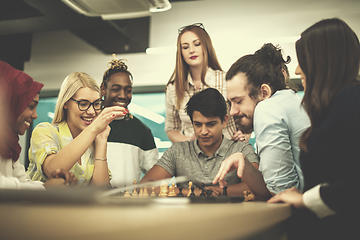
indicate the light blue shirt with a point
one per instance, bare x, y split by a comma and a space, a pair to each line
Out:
279, 122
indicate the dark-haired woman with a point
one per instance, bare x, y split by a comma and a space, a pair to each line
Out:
329, 56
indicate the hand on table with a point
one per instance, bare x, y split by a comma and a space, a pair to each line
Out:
60, 177
290, 195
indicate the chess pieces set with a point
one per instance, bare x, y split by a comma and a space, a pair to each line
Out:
248, 196
169, 191
165, 191
142, 193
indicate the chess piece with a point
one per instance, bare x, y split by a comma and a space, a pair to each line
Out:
134, 193
208, 192
246, 193
127, 194
163, 190
248, 196
172, 190
192, 194
191, 190
225, 191
153, 194
141, 193
145, 194
180, 194
202, 194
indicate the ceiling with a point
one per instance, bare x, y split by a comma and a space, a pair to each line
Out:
20, 18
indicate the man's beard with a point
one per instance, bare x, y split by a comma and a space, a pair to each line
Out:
245, 129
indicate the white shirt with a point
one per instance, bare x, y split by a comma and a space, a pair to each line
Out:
13, 175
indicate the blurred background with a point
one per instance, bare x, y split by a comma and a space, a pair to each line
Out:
48, 39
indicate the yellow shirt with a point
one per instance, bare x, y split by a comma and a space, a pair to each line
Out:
47, 139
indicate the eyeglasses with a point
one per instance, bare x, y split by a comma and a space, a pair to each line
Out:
84, 105
200, 25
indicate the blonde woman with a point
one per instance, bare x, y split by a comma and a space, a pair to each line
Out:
196, 69
77, 138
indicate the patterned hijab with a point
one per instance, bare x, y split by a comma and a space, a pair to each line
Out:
17, 91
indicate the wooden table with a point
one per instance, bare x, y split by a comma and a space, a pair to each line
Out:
143, 221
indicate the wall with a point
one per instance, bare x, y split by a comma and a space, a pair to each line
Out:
237, 27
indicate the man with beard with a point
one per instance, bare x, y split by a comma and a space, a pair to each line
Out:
260, 101
200, 159
131, 148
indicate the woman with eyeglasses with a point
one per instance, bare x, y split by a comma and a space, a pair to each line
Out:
77, 138
197, 68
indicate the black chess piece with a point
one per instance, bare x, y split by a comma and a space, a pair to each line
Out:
180, 192
202, 194
225, 191
208, 192
127, 117
192, 194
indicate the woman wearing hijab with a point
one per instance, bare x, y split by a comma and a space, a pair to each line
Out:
19, 98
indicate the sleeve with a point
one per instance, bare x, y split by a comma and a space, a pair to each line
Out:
149, 158
19, 179
172, 118
150, 154
167, 161
313, 201
42, 144
249, 152
339, 159
274, 149
342, 196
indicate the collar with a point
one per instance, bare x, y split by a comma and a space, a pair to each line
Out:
221, 151
64, 129
283, 92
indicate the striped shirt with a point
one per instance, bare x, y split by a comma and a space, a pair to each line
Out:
178, 119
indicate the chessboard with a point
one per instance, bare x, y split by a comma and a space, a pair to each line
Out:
144, 194
138, 195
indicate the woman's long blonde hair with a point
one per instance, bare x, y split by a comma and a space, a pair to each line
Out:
71, 84
180, 74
